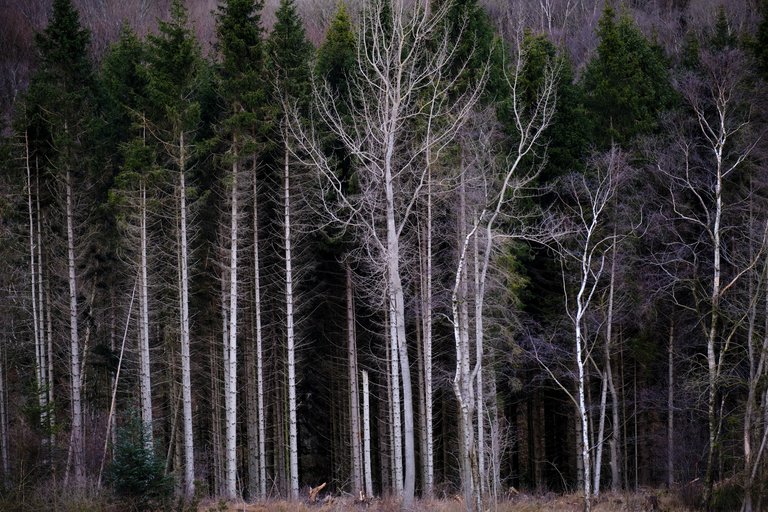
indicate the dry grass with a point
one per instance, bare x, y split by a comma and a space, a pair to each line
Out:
647, 501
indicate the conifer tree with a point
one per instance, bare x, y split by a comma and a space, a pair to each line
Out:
61, 103
288, 53
175, 76
240, 45
626, 85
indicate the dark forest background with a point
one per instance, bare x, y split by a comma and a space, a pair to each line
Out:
197, 263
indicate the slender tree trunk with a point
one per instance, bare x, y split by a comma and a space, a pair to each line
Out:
77, 442
37, 313
144, 357
583, 413
354, 399
367, 437
615, 441
479, 354
600, 434
230, 398
396, 423
4, 422
186, 385
713, 333
395, 288
259, 347
429, 465
292, 425
218, 463
49, 334
670, 407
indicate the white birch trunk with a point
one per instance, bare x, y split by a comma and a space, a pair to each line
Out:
367, 437
293, 455
479, 351
600, 434
186, 386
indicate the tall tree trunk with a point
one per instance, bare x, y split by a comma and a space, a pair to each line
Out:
478, 370
4, 422
292, 425
37, 313
712, 334
367, 437
354, 399
77, 442
396, 426
395, 289
615, 441
144, 358
230, 398
259, 346
429, 465
186, 379
670, 406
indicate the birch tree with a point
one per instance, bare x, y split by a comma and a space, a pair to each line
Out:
704, 163
403, 80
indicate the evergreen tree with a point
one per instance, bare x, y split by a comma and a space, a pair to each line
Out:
626, 85
241, 74
760, 44
288, 60
723, 37
176, 77
337, 56
289, 53
136, 473
60, 112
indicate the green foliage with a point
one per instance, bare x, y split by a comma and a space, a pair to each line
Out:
690, 53
239, 31
122, 70
136, 473
337, 57
288, 53
626, 85
723, 37
477, 45
174, 71
59, 105
63, 46
760, 44
566, 138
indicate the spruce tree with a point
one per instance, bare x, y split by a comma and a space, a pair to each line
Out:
337, 56
60, 110
626, 85
176, 76
288, 60
241, 74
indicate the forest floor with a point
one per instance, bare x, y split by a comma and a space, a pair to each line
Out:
644, 501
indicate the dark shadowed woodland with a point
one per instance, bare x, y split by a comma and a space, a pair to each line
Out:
384, 254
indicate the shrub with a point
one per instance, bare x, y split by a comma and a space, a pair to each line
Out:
137, 474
